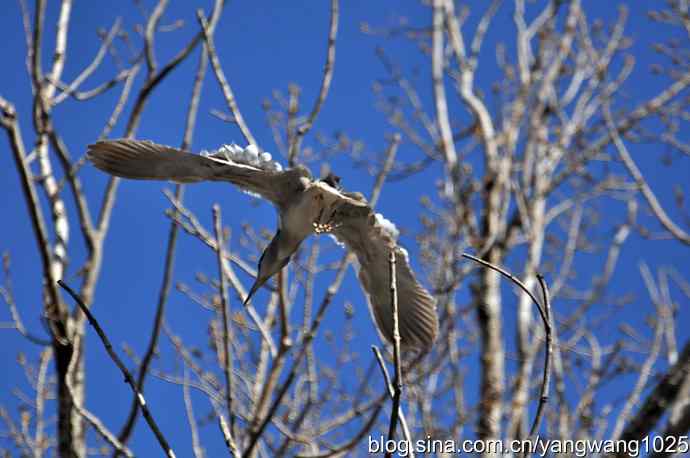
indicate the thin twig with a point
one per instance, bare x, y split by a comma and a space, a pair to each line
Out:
391, 392
545, 312
71, 88
646, 368
41, 396
198, 231
307, 338
512, 278
227, 356
328, 69
388, 163
93, 420
189, 410
17, 322
642, 184
220, 76
151, 26
162, 441
82, 96
350, 443
227, 436
397, 384
548, 348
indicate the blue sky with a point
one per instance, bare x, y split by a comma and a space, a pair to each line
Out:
263, 46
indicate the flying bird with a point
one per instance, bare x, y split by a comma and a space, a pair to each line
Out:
305, 206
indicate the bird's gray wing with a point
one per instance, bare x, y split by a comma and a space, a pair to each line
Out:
145, 160
371, 239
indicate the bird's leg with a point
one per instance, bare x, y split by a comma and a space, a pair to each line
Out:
329, 225
319, 226
334, 224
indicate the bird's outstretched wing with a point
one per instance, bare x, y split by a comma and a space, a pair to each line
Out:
371, 237
145, 160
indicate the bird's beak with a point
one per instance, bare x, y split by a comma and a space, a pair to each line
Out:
258, 283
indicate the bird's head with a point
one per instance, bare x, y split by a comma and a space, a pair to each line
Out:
275, 257
332, 180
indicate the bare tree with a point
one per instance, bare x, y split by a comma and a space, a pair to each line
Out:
66, 326
538, 177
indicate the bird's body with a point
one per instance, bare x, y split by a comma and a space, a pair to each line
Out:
305, 206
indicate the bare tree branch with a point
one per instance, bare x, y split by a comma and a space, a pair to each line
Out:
223, 82
328, 69
128, 376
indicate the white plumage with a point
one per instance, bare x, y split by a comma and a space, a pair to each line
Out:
388, 226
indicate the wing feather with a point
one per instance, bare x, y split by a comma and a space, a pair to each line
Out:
370, 238
145, 160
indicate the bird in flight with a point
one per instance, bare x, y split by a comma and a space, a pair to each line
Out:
305, 206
